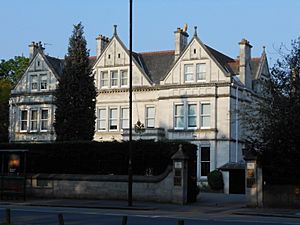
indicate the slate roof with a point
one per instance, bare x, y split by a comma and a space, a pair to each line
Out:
156, 64
254, 65
222, 59
57, 64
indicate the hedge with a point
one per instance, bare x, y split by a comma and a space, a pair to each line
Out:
100, 157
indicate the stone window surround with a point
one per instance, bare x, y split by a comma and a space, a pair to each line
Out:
185, 105
39, 81
194, 71
147, 118
29, 120
120, 79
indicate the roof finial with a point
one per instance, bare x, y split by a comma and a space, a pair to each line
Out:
264, 49
195, 34
115, 30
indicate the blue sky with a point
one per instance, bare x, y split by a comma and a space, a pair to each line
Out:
221, 23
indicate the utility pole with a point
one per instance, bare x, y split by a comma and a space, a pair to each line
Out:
130, 109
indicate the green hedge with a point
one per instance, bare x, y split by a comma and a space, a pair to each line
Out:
100, 157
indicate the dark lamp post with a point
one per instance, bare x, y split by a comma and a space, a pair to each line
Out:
130, 109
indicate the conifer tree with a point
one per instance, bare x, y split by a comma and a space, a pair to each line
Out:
76, 93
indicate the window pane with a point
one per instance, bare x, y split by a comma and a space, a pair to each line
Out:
179, 110
188, 73
24, 115
205, 161
23, 120
205, 167
179, 122
124, 78
114, 78
205, 121
150, 117
179, 116
44, 119
101, 119
205, 153
205, 109
113, 119
201, 71
125, 118
192, 115
33, 120
44, 114
34, 82
104, 79
43, 78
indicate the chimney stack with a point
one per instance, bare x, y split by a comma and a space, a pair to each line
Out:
102, 42
245, 66
34, 47
181, 38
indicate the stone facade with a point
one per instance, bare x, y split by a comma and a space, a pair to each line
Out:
192, 93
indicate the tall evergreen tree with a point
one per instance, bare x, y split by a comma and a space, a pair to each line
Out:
76, 93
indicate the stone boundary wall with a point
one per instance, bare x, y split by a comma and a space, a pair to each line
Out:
146, 188
281, 196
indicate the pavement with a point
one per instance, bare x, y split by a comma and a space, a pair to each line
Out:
207, 203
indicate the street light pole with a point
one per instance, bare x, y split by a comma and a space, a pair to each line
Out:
130, 109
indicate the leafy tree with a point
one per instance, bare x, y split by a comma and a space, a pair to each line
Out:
10, 72
5, 88
274, 120
13, 69
75, 95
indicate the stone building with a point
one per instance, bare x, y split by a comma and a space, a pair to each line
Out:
192, 93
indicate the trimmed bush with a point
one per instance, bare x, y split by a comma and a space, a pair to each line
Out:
215, 180
100, 157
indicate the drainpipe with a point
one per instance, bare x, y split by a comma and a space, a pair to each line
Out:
236, 123
216, 123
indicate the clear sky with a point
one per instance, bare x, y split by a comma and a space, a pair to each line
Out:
221, 23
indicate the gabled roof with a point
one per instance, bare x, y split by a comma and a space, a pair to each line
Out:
56, 64
156, 64
222, 59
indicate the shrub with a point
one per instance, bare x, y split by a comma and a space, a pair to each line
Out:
100, 157
215, 180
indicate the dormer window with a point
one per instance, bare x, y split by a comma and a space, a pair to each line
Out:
195, 51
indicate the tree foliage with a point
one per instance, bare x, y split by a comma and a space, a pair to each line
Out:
10, 72
5, 88
75, 95
274, 120
13, 69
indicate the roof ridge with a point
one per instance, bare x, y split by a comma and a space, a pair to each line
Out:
157, 52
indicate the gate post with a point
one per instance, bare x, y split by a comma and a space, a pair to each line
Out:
180, 179
254, 180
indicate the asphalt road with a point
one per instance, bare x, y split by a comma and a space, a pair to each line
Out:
76, 216
25, 215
